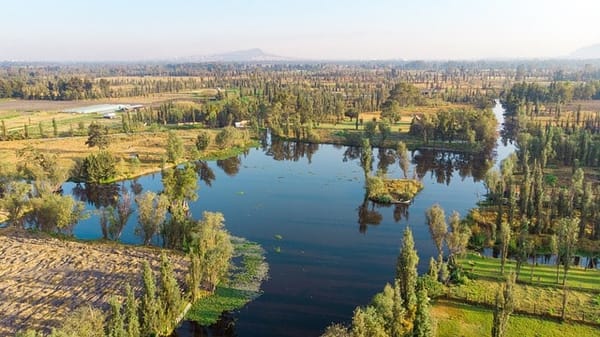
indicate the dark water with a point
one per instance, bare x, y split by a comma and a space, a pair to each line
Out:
337, 251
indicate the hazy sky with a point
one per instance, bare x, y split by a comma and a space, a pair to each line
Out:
95, 30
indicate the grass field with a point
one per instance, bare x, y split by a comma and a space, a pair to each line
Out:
462, 320
540, 295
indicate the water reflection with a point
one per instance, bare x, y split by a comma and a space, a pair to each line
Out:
97, 195
291, 150
367, 215
224, 327
231, 165
205, 173
443, 164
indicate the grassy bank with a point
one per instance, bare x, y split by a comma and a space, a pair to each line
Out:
249, 269
457, 319
149, 149
539, 295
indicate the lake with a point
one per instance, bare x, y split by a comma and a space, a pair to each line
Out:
336, 250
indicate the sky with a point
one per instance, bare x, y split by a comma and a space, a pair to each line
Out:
131, 30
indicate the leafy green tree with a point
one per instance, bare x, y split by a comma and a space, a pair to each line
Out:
505, 304
406, 272
115, 326
458, 237
174, 147
52, 212
334, 330
384, 130
150, 306
366, 156
568, 234
84, 321
203, 140
212, 243
169, 295
391, 111
14, 201
152, 211
54, 128
194, 277
505, 236
98, 167
367, 323
132, 320
97, 136
423, 326
370, 130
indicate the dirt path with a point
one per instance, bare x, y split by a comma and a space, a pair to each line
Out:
42, 279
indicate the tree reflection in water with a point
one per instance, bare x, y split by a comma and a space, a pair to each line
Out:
97, 195
224, 327
291, 150
205, 173
231, 165
443, 164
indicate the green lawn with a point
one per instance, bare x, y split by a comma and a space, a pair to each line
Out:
481, 267
540, 295
462, 320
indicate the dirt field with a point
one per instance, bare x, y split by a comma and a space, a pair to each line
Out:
42, 279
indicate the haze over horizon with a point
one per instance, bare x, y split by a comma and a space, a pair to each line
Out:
111, 30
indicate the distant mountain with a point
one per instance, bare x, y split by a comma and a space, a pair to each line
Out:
249, 55
587, 52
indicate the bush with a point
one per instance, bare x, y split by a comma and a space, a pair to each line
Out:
203, 140
97, 168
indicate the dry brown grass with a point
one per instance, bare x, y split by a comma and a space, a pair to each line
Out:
148, 146
43, 278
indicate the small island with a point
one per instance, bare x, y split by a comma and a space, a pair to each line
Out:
392, 191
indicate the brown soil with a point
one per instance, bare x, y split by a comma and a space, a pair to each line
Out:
43, 278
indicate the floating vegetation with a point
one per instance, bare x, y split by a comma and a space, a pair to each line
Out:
278, 237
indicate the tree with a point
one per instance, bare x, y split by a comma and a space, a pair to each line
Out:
97, 136
422, 326
458, 238
505, 235
150, 305
14, 201
84, 321
436, 220
336, 330
97, 168
132, 320
203, 140
385, 131
152, 211
406, 271
568, 234
169, 295
194, 277
210, 240
174, 147
370, 130
54, 128
505, 304
52, 212
391, 111
366, 156
116, 324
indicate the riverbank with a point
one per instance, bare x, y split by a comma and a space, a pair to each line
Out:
249, 270
43, 278
137, 154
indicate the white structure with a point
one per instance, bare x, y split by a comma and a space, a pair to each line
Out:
103, 108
